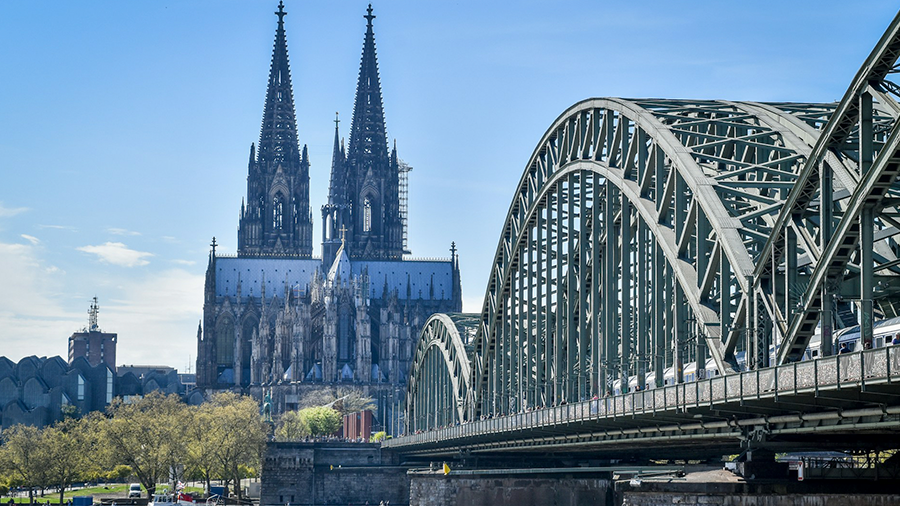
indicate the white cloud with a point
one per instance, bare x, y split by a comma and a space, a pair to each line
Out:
155, 313
156, 318
184, 262
32, 320
59, 227
117, 253
32, 239
122, 231
6, 212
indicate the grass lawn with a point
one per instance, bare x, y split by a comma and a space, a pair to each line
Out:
117, 489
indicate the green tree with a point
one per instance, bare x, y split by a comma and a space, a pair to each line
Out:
237, 435
317, 421
68, 446
147, 435
291, 427
201, 446
24, 455
119, 473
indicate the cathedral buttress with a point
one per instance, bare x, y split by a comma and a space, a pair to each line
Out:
277, 219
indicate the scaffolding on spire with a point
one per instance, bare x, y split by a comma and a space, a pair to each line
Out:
403, 191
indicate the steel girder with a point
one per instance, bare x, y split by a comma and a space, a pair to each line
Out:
439, 392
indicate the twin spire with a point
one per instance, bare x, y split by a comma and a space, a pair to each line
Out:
363, 194
278, 139
367, 132
278, 136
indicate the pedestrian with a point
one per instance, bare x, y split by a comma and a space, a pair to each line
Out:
844, 348
896, 339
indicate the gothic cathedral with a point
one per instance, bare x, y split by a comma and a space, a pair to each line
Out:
274, 315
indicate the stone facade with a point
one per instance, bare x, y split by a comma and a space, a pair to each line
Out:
430, 489
332, 473
772, 499
273, 315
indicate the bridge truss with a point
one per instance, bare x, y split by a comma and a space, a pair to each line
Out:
661, 240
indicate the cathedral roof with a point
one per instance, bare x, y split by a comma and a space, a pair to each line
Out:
410, 279
340, 269
252, 273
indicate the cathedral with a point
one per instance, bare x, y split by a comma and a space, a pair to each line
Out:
277, 318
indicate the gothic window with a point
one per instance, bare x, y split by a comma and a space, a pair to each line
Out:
367, 215
225, 342
279, 212
261, 206
344, 333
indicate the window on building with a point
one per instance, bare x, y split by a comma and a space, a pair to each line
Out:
367, 215
279, 212
80, 393
109, 386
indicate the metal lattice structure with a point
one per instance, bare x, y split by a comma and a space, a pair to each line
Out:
656, 240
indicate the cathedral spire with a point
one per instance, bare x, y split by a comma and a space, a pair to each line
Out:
278, 136
277, 218
367, 134
337, 188
375, 227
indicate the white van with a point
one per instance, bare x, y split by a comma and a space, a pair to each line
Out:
134, 490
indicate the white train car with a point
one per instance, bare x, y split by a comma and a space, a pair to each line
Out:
883, 333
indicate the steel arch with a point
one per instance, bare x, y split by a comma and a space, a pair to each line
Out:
647, 235
851, 235
439, 392
700, 174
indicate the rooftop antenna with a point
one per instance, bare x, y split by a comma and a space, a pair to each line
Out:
92, 316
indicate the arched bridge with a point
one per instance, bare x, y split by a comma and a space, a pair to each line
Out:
674, 261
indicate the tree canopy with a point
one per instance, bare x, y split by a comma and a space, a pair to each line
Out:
308, 422
146, 439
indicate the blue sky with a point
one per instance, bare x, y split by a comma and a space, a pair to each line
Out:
125, 127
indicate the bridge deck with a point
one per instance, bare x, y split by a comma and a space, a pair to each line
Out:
855, 398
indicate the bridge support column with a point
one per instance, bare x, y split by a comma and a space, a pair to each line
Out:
866, 223
826, 230
625, 301
659, 313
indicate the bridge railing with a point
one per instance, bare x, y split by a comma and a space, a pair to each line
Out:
844, 371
